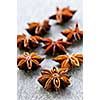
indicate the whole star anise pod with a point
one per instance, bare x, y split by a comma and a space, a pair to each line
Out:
69, 61
73, 35
28, 61
63, 15
36, 28
53, 47
54, 79
25, 42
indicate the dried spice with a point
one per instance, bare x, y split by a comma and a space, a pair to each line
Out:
69, 61
28, 61
54, 79
73, 35
36, 28
63, 15
25, 42
54, 47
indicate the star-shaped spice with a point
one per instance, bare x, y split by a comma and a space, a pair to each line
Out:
24, 42
54, 79
69, 61
36, 28
53, 47
73, 35
28, 61
63, 15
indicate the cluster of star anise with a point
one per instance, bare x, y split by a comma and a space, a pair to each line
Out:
55, 78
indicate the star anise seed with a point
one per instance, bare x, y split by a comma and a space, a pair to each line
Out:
63, 15
24, 42
54, 79
67, 61
28, 61
73, 35
53, 47
36, 28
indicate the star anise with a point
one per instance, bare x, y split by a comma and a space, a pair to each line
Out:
54, 47
28, 61
25, 42
36, 28
54, 79
69, 61
63, 15
73, 35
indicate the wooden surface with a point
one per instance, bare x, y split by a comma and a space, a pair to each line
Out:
37, 10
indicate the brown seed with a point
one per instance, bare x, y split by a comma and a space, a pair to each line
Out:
67, 61
53, 47
73, 35
63, 15
40, 29
54, 79
28, 61
24, 42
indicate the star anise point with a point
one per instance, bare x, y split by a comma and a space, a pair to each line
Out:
28, 61
67, 61
54, 47
36, 28
28, 42
54, 79
73, 34
63, 15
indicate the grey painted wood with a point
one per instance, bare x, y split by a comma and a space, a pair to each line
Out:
37, 10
